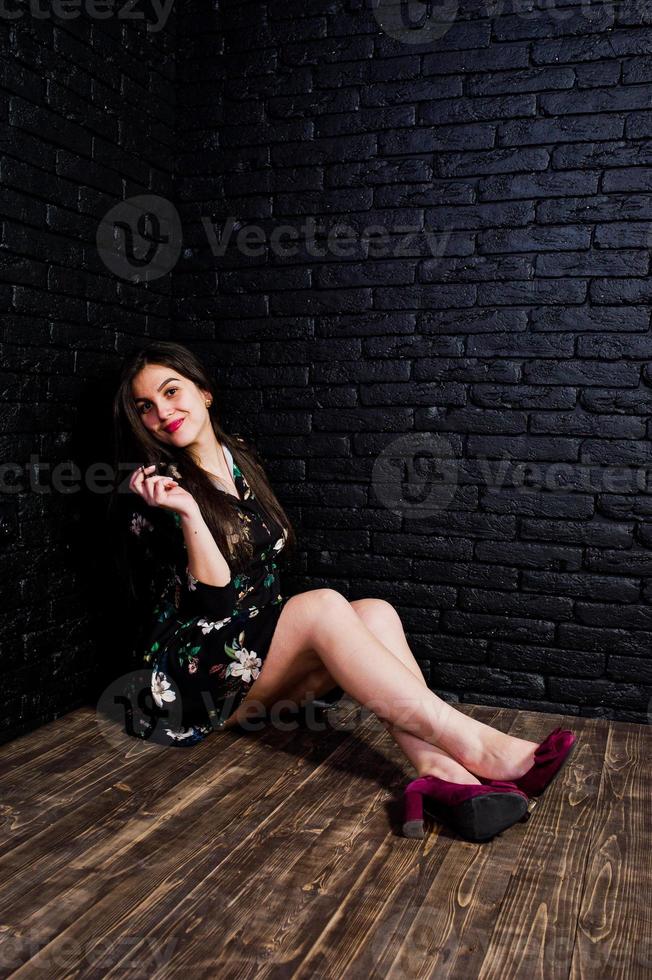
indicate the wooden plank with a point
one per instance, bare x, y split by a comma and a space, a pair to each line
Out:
46, 740
353, 824
535, 925
614, 925
47, 787
45, 819
406, 919
279, 855
131, 848
285, 888
257, 872
342, 932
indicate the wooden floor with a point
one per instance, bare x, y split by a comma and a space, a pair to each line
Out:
278, 854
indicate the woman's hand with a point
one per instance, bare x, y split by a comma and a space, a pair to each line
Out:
162, 491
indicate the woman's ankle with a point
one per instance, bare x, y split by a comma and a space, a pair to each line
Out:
452, 773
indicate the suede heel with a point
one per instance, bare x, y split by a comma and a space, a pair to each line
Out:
477, 812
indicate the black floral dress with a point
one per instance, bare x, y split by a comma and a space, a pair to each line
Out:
204, 645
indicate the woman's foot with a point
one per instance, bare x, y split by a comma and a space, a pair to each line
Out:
503, 756
449, 770
549, 759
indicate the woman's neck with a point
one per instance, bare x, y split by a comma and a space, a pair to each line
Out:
208, 454
217, 465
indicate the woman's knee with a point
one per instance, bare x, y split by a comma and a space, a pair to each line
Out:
319, 602
310, 611
376, 612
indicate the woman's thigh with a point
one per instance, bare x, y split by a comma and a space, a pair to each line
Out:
291, 657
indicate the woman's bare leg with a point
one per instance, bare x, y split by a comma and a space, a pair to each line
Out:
384, 622
426, 758
320, 629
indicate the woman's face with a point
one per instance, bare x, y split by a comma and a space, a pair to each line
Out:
163, 397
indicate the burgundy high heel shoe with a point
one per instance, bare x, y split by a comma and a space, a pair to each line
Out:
549, 759
475, 811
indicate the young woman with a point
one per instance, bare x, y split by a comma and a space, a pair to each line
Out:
207, 533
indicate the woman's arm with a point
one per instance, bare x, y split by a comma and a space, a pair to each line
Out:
194, 562
205, 560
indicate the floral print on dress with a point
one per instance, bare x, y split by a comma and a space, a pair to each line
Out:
247, 493
139, 523
207, 626
248, 662
246, 520
195, 733
161, 688
242, 580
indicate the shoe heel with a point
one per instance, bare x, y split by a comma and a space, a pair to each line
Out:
413, 815
482, 817
528, 813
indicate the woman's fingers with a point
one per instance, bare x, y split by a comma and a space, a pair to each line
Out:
138, 477
151, 483
155, 488
145, 482
162, 485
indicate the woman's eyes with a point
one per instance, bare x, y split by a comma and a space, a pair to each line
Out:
148, 403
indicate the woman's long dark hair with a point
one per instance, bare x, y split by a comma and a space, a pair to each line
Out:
133, 442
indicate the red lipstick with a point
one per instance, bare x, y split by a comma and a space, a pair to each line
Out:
173, 426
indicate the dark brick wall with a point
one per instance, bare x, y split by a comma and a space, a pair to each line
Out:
508, 313
521, 336
88, 112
